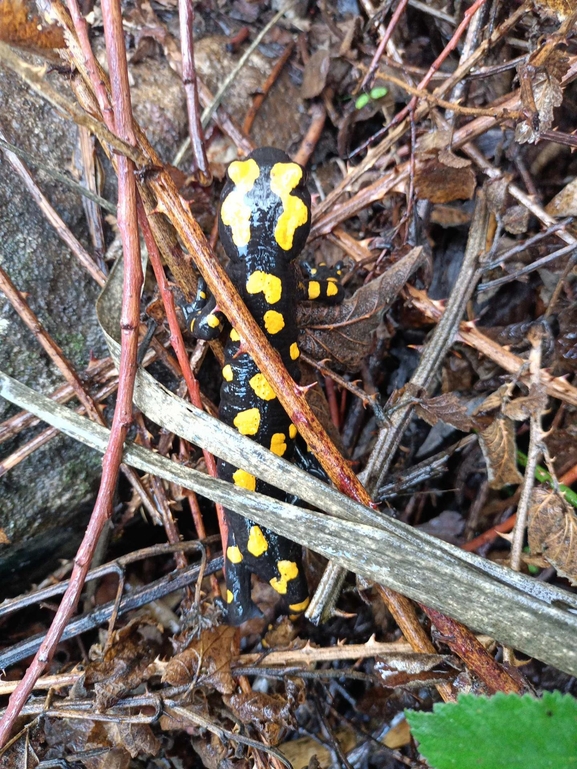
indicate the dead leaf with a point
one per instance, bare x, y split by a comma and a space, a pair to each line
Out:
272, 714
449, 216
552, 531
541, 92
498, 445
315, 74
300, 752
206, 662
448, 408
565, 202
559, 9
444, 177
520, 409
124, 666
344, 332
516, 220
398, 736
4, 540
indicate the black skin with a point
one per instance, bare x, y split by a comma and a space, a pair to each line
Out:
262, 254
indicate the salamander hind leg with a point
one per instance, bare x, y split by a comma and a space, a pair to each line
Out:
240, 606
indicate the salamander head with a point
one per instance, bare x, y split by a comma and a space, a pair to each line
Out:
265, 203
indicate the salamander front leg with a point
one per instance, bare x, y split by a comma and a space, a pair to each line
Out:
322, 283
203, 320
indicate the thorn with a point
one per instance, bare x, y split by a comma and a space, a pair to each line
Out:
304, 389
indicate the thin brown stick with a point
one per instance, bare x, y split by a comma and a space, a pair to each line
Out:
259, 98
368, 78
313, 135
199, 160
129, 333
57, 223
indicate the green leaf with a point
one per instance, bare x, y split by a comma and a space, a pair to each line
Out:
501, 732
362, 101
378, 92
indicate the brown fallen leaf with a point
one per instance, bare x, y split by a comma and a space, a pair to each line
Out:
344, 333
498, 445
565, 202
124, 665
448, 408
444, 177
272, 714
552, 529
413, 670
206, 662
541, 92
315, 74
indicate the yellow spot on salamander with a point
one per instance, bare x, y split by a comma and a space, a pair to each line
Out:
298, 607
257, 544
191, 325
247, 422
292, 432
229, 596
314, 289
284, 177
244, 480
294, 351
212, 321
234, 337
332, 289
261, 387
288, 570
270, 285
227, 373
313, 271
278, 444
233, 554
202, 294
235, 212
273, 321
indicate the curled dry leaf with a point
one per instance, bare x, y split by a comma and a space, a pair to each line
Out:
124, 665
565, 202
516, 220
444, 177
447, 408
272, 714
206, 662
498, 445
315, 74
552, 531
344, 332
541, 92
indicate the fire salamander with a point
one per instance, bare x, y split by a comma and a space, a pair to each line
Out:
263, 225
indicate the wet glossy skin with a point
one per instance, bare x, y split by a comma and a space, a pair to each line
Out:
264, 223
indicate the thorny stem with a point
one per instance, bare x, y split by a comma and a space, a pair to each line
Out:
127, 370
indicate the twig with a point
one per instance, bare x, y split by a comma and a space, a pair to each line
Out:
536, 265
259, 98
57, 175
33, 77
229, 80
139, 597
129, 331
435, 350
55, 220
368, 78
313, 135
539, 402
199, 160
